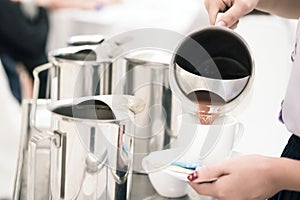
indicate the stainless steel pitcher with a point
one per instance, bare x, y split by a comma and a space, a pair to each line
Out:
213, 59
147, 77
91, 149
74, 72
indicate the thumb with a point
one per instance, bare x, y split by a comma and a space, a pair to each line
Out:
231, 16
207, 173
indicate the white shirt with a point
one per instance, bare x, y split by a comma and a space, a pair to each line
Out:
291, 105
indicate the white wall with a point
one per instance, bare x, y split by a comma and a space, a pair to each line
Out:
271, 40
175, 15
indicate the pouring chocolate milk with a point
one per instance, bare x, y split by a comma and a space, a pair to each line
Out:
212, 70
206, 102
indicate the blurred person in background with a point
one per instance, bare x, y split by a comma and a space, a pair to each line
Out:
23, 38
259, 177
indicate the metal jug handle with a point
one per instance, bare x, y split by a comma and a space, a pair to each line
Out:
35, 95
32, 152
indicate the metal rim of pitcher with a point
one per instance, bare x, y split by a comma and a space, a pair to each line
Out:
69, 102
55, 59
131, 56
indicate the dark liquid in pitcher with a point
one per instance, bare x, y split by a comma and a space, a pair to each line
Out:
90, 109
209, 105
83, 55
221, 68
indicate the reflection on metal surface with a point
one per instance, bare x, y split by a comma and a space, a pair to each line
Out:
43, 155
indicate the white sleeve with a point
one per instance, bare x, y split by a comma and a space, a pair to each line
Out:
291, 105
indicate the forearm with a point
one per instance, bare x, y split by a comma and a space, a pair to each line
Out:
283, 8
287, 172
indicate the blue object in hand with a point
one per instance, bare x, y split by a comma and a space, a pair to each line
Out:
192, 166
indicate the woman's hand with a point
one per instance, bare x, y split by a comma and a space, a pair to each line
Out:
232, 10
246, 177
